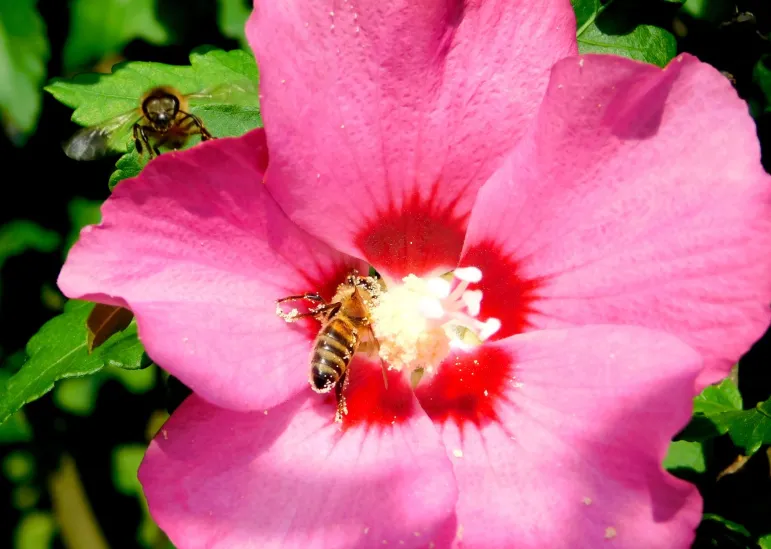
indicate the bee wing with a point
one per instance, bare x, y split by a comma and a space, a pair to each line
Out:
225, 93
96, 141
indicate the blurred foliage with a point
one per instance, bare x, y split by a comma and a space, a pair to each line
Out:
17, 237
102, 27
23, 55
231, 17
69, 458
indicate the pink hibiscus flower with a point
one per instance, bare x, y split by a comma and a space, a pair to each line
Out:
615, 194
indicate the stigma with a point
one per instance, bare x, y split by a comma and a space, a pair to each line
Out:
419, 322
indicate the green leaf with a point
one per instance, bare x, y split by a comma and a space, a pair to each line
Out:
715, 399
734, 527
586, 11
720, 406
765, 542
687, 456
233, 111
231, 18
100, 28
99, 97
128, 165
58, 351
614, 28
761, 75
23, 57
16, 429
749, 429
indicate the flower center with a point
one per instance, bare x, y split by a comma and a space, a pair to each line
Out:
417, 323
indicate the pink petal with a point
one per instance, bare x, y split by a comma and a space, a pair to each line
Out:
640, 199
571, 455
198, 250
386, 117
290, 477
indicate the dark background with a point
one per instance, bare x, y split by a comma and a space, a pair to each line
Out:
39, 182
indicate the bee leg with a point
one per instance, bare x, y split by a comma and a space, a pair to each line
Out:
376, 344
310, 297
140, 131
317, 312
137, 141
205, 135
342, 407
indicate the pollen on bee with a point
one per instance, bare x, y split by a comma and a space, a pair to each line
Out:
288, 316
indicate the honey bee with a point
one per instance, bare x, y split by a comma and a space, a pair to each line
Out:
161, 119
346, 327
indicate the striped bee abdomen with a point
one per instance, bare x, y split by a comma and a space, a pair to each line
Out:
332, 352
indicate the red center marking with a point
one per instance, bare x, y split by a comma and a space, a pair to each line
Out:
416, 238
369, 403
467, 387
506, 295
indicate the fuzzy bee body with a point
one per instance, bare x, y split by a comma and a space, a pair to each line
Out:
160, 119
344, 322
332, 352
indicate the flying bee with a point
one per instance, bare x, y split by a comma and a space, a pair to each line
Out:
161, 119
346, 327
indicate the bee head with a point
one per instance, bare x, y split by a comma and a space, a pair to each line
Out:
161, 109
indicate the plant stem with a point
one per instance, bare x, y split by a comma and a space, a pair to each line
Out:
77, 524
